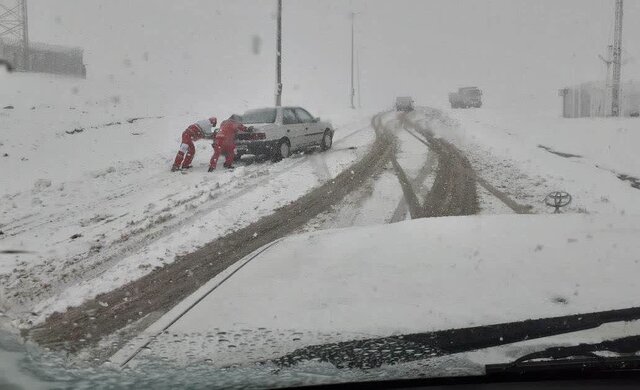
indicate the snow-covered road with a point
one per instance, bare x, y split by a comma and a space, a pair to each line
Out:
427, 176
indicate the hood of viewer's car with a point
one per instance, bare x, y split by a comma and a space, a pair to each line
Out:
416, 276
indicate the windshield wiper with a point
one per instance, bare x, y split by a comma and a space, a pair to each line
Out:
625, 345
555, 353
374, 352
575, 357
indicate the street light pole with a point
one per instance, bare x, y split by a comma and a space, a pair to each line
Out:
358, 79
608, 85
279, 57
25, 35
617, 60
25, 40
353, 89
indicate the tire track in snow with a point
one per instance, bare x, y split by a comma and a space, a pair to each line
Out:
442, 145
430, 166
409, 194
409, 199
453, 191
400, 213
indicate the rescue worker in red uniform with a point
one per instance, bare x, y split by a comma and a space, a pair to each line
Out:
225, 142
199, 130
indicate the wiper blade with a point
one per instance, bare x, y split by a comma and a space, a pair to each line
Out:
556, 369
370, 353
625, 345
581, 356
555, 353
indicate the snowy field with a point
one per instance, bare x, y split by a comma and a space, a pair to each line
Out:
87, 193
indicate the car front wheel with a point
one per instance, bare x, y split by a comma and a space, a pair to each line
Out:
327, 141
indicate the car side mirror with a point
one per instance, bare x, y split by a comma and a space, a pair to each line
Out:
316, 120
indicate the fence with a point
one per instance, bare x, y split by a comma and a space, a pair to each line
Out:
45, 58
594, 100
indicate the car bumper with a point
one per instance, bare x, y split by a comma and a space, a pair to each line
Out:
256, 147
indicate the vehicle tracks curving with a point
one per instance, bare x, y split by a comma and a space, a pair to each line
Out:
444, 148
454, 189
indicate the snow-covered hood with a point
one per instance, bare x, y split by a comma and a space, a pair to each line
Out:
415, 276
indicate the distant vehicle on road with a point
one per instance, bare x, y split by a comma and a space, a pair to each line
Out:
466, 97
404, 103
280, 131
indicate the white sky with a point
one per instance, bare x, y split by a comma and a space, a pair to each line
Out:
513, 49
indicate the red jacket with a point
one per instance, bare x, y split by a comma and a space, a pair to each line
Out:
228, 131
193, 132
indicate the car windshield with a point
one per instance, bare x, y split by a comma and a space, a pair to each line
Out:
275, 193
265, 115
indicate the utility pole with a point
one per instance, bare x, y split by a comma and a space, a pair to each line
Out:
14, 24
607, 85
279, 57
358, 79
617, 60
25, 36
353, 88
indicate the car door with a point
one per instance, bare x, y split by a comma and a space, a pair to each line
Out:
293, 127
311, 132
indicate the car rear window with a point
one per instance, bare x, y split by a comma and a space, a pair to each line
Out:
265, 115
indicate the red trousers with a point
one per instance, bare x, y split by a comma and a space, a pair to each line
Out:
186, 153
220, 147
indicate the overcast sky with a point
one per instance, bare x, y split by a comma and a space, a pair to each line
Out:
423, 48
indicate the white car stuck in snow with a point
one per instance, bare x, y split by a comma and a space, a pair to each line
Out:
280, 131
